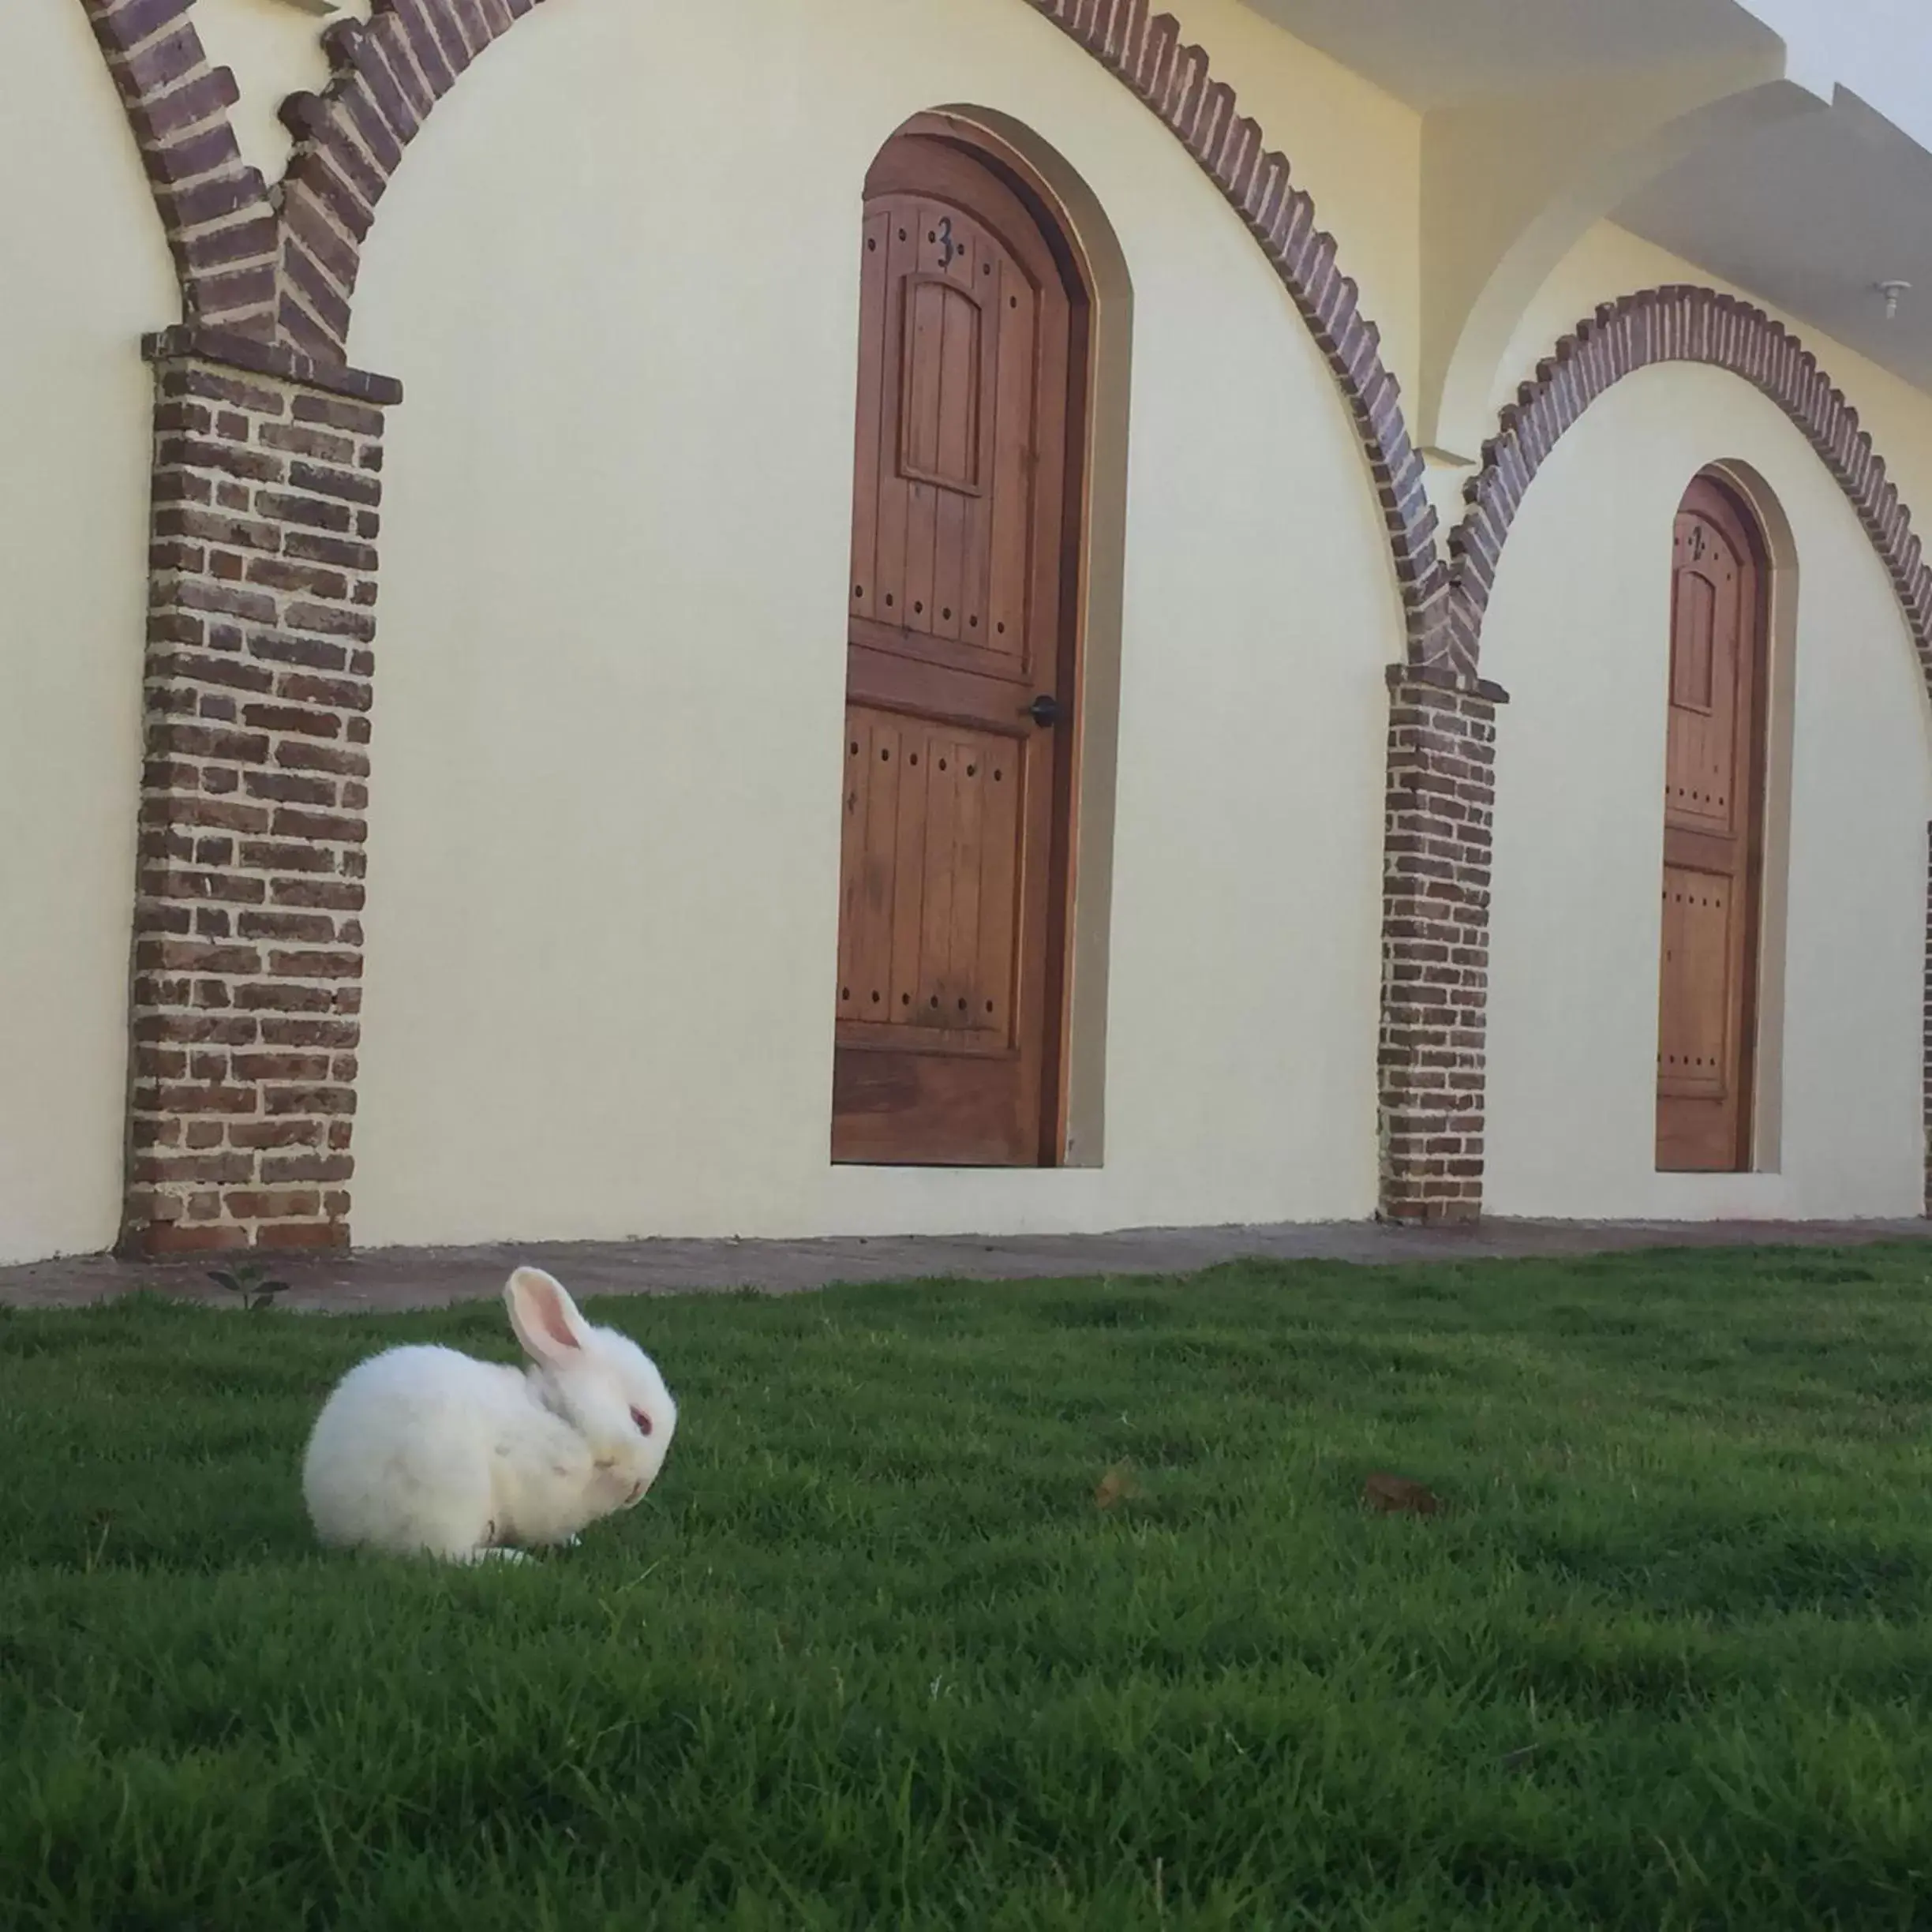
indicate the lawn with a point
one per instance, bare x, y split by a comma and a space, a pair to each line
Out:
1022, 1606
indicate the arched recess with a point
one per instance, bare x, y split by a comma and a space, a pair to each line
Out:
1778, 545
1020, 345
1709, 1024
1680, 324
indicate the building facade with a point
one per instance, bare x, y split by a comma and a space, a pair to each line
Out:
940, 615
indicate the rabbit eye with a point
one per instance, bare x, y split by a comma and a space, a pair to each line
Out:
642, 1421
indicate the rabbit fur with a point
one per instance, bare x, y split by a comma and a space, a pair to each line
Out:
425, 1451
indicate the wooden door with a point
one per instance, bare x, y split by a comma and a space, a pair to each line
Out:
959, 681
1713, 834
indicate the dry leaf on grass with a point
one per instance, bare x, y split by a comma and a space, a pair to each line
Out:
1116, 1486
1398, 1496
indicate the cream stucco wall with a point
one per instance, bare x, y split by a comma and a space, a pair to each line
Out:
617, 275
86, 272
1356, 150
1578, 633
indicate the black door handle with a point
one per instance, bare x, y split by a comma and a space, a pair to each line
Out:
1044, 710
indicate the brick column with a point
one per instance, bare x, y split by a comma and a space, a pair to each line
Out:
248, 936
1440, 803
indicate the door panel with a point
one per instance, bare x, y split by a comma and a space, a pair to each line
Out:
927, 926
1712, 837
963, 552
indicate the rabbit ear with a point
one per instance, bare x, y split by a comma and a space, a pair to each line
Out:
545, 1317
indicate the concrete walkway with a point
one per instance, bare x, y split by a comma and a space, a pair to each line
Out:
379, 1278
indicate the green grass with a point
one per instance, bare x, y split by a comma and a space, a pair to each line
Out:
870, 1655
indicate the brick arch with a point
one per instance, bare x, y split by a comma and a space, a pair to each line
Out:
282, 265
385, 79
1145, 53
1678, 323
214, 208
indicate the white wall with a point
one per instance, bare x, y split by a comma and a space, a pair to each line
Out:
274, 49
1578, 631
617, 275
1877, 49
88, 272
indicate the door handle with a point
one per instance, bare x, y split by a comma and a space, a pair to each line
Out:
1045, 710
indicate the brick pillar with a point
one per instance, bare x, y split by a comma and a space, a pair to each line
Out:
248, 935
1440, 801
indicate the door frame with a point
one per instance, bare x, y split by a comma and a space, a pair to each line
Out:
1012, 169
1743, 515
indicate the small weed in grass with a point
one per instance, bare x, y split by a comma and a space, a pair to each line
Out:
1047, 1605
252, 1282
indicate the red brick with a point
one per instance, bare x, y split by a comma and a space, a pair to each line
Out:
288, 787
277, 1134
316, 963
282, 574
342, 694
310, 512
297, 439
273, 1203
247, 240
282, 1167
339, 413
294, 822
195, 378
313, 653
307, 1234
210, 1238
285, 1100
288, 718
300, 754
194, 955
181, 156
267, 855
342, 895
157, 63
287, 996
330, 622
281, 1066
181, 1098
318, 480
325, 1033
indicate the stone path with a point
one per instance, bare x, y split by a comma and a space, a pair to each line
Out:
378, 1278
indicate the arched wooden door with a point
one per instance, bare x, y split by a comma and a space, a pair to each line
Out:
1714, 814
959, 665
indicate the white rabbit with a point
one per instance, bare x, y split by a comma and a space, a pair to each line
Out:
426, 1450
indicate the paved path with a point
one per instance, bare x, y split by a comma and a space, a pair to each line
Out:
378, 1278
